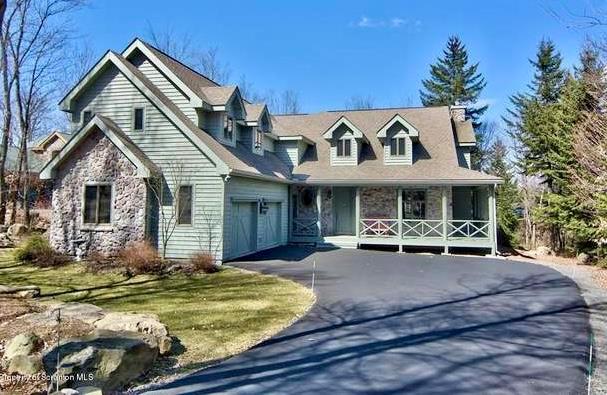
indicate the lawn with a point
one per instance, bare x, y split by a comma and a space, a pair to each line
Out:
213, 315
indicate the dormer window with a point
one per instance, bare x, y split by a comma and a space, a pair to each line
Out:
228, 128
344, 148
398, 146
138, 119
87, 115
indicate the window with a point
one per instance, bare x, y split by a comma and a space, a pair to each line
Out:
138, 119
184, 205
258, 139
228, 127
86, 116
344, 147
397, 146
414, 204
97, 204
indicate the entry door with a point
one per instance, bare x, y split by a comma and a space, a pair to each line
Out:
244, 226
343, 210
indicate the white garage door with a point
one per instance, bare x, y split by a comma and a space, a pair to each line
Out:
271, 231
244, 225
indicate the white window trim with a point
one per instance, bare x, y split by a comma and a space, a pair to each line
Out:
413, 190
398, 154
258, 132
190, 225
342, 141
93, 226
133, 119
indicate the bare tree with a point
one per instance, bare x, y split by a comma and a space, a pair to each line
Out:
165, 193
360, 103
531, 191
2, 10
181, 47
210, 236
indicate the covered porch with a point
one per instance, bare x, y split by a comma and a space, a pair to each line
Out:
442, 216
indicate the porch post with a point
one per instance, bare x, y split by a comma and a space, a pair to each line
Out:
290, 211
357, 208
492, 220
318, 210
399, 209
444, 204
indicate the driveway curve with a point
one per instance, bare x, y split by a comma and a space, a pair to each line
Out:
394, 323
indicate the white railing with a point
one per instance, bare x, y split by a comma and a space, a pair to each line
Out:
422, 228
468, 229
378, 227
305, 227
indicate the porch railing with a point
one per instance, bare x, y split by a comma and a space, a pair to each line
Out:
378, 227
305, 227
467, 229
417, 228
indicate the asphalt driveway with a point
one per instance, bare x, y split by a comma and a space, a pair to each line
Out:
390, 323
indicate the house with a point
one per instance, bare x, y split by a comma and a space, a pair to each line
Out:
154, 142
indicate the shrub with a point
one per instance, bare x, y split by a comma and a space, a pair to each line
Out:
203, 262
37, 250
141, 257
97, 262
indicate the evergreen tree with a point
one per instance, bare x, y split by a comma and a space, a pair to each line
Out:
549, 77
591, 74
507, 195
453, 81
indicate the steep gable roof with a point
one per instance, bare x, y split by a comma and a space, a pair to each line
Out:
343, 120
145, 167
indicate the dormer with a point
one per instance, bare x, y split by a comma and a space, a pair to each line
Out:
398, 137
259, 127
227, 115
465, 138
345, 141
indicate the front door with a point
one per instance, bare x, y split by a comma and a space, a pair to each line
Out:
343, 210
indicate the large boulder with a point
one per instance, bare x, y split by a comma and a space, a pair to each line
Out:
16, 230
24, 364
85, 312
583, 258
105, 359
144, 323
5, 242
22, 344
24, 291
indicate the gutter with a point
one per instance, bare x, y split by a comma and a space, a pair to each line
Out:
263, 177
438, 181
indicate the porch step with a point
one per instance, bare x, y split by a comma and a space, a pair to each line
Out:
337, 242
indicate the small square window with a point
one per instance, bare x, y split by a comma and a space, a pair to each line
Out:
97, 204
184, 205
86, 116
138, 119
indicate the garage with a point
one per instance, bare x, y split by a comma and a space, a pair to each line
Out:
270, 229
244, 227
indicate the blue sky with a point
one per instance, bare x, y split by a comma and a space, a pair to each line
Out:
328, 51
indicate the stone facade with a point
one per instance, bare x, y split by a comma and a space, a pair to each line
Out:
97, 160
326, 211
378, 202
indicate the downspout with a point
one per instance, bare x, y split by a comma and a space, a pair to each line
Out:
494, 219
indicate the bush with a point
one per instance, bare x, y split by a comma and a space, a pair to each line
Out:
141, 257
204, 262
37, 250
98, 262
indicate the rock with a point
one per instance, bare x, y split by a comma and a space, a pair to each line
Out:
24, 291
164, 345
583, 258
86, 312
24, 364
16, 230
543, 251
89, 390
105, 359
143, 323
5, 242
22, 344
3, 228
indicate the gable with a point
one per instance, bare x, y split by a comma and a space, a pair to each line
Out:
339, 125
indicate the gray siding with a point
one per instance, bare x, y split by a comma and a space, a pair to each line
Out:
238, 188
397, 131
463, 156
114, 96
343, 133
288, 152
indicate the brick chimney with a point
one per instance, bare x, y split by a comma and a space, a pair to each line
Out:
458, 112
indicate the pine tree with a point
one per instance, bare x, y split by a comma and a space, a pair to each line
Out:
453, 81
591, 73
507, 195
549, 77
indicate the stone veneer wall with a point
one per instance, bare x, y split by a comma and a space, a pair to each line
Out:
97, 160
378, 202
381, 202
326, 211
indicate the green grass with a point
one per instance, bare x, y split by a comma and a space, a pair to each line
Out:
213, 315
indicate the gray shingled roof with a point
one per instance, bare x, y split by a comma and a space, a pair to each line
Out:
217, 95
238, 158
464, 132
253, 110
435, 158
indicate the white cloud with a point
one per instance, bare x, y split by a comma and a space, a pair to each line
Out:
393, 23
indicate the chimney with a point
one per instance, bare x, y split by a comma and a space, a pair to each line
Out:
458, 112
